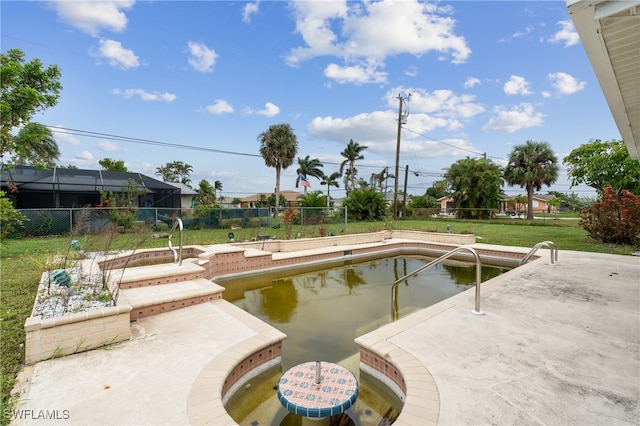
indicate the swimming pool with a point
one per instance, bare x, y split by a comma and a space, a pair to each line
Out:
323, 311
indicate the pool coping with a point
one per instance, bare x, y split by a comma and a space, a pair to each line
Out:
421, 397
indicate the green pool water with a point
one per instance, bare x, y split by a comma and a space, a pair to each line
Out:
323, 311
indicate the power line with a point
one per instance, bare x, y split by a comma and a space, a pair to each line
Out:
87, 133
108, 136
452, 145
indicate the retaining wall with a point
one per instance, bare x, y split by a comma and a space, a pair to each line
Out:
53, 337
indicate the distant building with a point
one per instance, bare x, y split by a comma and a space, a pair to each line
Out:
256, 200
187, 195
509, 204
33, 188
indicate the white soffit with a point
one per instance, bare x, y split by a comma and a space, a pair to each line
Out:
610, 34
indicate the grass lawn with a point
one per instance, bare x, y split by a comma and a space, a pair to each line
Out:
22, 263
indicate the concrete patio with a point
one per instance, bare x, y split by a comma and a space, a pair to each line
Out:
557, 344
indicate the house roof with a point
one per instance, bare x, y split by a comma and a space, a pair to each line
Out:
609, 31
78, 180
288, 195
544, 197
184, 189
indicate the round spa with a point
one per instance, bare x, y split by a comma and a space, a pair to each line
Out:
317, 390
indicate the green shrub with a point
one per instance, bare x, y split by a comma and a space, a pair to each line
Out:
366, 204
10, 218
615, 218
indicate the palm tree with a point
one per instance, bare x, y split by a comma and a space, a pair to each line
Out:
278, 148
330, 181
176, 171
352, 153
308, 167
218, 187
206, 193
166, 173
530, 166
35, 145
379, 180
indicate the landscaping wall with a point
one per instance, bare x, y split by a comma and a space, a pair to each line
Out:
53, 337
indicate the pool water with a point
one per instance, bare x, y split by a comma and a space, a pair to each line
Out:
323, 311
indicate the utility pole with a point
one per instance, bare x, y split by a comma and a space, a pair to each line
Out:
401, 117
404, 196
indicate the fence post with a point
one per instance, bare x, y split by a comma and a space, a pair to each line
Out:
345, 219
70, 221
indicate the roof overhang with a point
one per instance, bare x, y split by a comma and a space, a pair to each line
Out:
610, 34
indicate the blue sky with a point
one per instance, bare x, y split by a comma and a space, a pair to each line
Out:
196, 81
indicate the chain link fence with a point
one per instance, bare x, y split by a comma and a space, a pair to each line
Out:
64, 221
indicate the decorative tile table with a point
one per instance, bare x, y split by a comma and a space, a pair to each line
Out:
317, 389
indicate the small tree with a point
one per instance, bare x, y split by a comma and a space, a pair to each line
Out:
113, 165
615, 218
366, 204
317, 202
288, 217
123, 211
476, 187
26, 88
601, 164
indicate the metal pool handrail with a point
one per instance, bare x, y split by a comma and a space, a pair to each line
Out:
550, 244
394, 287
177, 256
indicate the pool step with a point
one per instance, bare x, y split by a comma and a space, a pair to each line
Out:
157, 299
154, 275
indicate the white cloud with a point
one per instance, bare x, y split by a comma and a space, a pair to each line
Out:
201, 57
519, 117
269, 110
145, 96
471, 82
528, 30
378, 131
354, 74
248, 10
108, 146
368, 32
116, 55
411, 71
63, 135
220, 106
92, 16
84, 156
565, 84
441, 103
567, 34
517, 86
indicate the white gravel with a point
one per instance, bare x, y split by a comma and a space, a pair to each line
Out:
85, 293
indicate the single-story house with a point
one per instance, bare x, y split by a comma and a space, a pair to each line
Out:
509, 203
33, 188
256, 200
540, 203
187, 195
